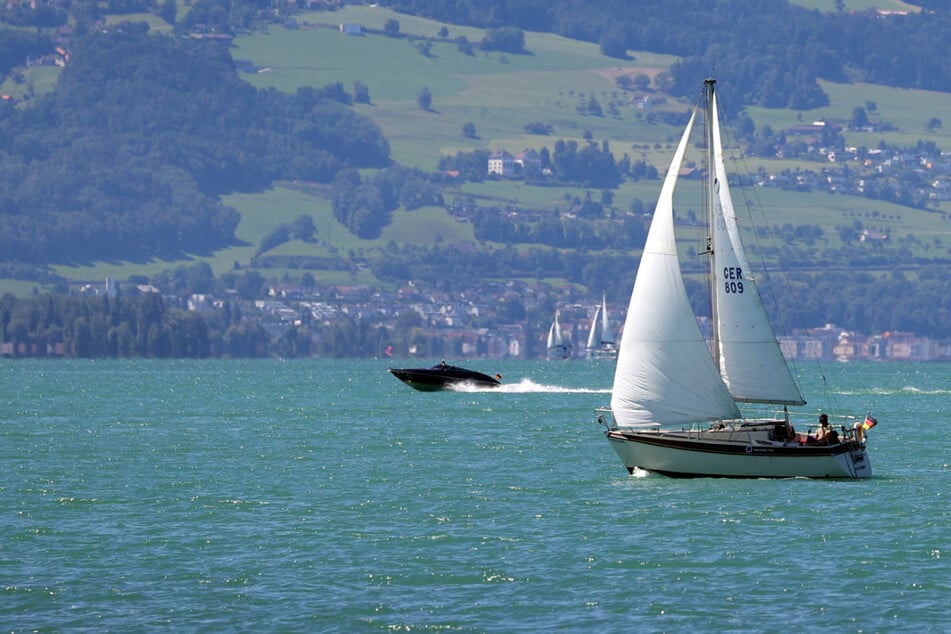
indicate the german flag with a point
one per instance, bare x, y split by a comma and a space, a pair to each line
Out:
870, 421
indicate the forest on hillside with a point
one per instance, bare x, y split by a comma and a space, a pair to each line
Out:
771, 53
127, 158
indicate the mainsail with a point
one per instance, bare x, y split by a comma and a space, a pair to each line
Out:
594, 335
665, 373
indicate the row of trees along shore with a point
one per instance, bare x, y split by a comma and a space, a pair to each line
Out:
147, 325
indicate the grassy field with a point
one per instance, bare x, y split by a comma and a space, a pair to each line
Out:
156, 24
36, 81
500, 94
908, 110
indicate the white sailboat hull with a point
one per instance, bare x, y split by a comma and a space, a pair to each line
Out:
736, 455
605, 351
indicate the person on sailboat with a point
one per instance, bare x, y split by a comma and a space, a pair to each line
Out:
825, 435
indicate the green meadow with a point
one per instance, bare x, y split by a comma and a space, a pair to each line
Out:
35, 81
500, 94
908, 110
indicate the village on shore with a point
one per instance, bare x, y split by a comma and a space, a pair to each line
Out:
442, 318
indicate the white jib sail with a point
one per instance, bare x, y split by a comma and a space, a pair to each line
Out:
665, 373
751, 361
594, 335
554, 334
607, 336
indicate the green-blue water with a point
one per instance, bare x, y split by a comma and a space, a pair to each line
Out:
327, 496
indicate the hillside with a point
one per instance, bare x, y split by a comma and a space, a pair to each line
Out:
502, 96
771, 53
126, 159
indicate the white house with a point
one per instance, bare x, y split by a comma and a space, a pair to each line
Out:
501, 163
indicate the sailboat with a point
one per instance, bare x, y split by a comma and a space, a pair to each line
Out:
601, 343
558, 348
675, 401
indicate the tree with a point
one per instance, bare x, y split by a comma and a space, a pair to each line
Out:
425, 48
537, 127
277, 237
934, 123
594, 108
859, 118
391, 28
408, 318
464, 45
361, 93
200, 278
508, 39
664, 81
168, 10
469, 130
424, 98
545, 157
250, 285
613, 45
304, 228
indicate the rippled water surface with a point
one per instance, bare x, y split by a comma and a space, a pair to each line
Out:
327, 496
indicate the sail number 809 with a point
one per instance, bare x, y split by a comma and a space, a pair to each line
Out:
733, 279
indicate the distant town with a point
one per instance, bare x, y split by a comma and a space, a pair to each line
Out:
443, 317
918, 177
440, 324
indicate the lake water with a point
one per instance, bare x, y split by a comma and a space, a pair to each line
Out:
319, 495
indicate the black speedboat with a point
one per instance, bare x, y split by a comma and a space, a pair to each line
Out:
442, 377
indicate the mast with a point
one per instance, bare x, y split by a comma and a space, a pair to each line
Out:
710, 194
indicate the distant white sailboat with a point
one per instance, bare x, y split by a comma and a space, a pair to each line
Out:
674, 405
601, 342
558, 347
